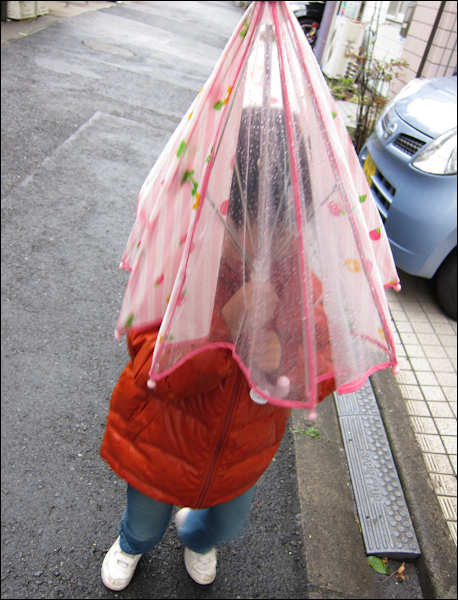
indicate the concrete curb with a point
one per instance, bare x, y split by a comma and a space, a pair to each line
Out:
334, 549
437, 566
333, 543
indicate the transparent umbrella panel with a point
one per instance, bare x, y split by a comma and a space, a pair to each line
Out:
258, 239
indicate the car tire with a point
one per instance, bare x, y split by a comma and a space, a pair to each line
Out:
306, 26
446, 285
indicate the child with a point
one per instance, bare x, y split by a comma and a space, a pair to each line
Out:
198, 440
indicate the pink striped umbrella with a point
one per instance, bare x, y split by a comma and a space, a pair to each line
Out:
256, 230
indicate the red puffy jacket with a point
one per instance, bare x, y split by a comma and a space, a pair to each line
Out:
198, 439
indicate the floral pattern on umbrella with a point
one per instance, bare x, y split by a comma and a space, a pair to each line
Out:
256, 230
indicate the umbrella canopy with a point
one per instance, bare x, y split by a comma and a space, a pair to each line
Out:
256, 230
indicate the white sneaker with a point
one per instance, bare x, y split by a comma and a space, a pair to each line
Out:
118, 567
200, 567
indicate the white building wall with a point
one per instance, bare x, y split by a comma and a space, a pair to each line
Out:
436, 57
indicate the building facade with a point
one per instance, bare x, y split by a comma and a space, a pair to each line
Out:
430, 42
423, 33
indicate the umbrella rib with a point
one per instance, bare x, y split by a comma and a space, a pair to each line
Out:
306, 325
230, 230
334, 189
282, 200
244, 202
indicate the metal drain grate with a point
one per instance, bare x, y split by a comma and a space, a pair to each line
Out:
384, 516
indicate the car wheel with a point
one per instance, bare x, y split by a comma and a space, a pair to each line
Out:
446, 285
310, 28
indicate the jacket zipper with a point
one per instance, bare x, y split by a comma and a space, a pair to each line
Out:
222, 438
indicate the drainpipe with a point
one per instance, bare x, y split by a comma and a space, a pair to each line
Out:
431, 39
325, 28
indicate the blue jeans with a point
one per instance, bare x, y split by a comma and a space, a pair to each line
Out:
145, 521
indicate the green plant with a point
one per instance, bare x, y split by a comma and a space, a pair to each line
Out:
372, 75
371, 78
310, 432
343, 88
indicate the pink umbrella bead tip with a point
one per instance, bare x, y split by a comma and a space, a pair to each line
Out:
395, 370
312, 415
282, 387
397, 287
151, 384
117, 335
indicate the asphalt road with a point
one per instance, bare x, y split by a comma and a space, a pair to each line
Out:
87, 106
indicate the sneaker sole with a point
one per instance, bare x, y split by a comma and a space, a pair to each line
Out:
112, 587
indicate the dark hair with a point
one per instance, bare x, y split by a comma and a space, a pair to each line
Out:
263, 139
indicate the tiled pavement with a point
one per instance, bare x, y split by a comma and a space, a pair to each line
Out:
427, 351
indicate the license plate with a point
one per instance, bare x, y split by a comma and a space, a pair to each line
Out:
369, 169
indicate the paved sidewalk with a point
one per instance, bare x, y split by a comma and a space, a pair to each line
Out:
13, 29
427, 349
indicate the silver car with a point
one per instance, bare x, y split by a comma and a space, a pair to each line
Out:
410, 162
